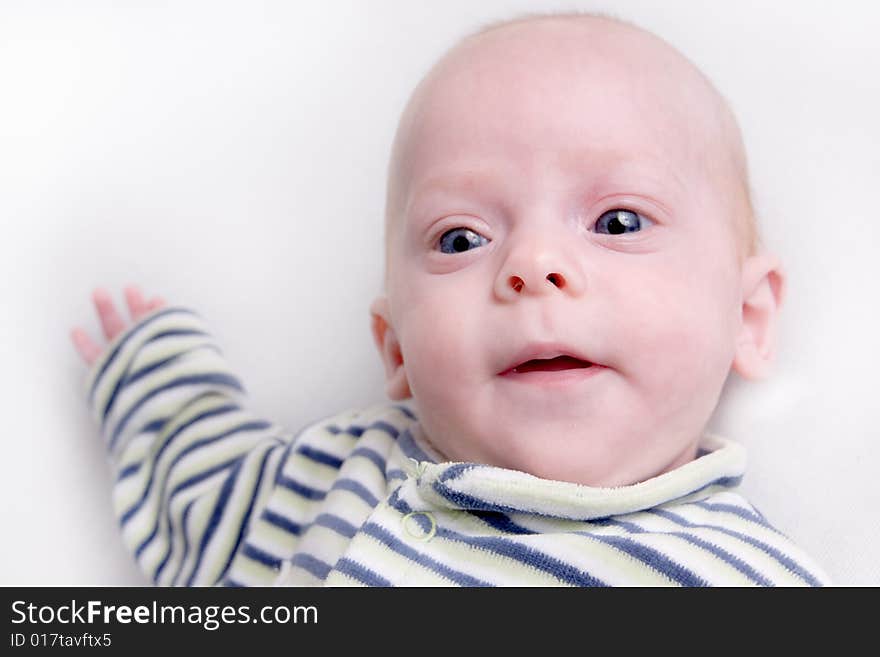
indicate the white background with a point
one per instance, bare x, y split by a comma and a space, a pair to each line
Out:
231, 157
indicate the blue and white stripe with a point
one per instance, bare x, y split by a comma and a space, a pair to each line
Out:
206, 493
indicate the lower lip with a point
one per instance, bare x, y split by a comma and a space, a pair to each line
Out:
553, 378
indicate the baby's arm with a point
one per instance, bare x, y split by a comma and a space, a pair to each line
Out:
191, 464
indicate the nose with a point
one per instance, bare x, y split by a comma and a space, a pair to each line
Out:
536, 266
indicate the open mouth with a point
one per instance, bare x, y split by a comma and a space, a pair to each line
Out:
551, 364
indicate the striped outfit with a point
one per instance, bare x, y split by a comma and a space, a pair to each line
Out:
207, 493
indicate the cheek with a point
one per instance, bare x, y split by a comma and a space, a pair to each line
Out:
680, 330
439, 340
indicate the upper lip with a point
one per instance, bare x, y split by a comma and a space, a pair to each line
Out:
543, 350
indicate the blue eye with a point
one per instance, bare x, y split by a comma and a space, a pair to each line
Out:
615, 222
458, 240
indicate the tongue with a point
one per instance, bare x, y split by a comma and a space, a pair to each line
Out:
551, 365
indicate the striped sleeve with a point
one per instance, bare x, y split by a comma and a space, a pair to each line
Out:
191, 464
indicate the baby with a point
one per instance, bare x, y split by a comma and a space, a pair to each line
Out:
572, 272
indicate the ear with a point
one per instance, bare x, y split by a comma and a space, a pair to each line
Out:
763, 286
396, 384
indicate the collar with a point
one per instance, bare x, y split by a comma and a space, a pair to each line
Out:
478, 487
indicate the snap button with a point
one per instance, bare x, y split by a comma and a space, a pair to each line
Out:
414, 528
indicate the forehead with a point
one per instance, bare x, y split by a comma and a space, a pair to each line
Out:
534, 98
499, 179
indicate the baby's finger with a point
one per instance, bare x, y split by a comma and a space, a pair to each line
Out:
84, 345
157, 302
137, 307
110, 319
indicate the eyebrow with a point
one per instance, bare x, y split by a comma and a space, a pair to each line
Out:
472, 178
480, 178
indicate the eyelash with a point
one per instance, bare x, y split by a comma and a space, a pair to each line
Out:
643, 223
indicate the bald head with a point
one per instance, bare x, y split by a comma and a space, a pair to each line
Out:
527, 60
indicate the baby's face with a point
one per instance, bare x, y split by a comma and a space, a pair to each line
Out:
555, 205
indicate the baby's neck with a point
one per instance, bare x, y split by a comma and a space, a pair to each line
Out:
688, 454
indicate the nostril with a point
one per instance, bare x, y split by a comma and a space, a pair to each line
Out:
556, 279
516, 283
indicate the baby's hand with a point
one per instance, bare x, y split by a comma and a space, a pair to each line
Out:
111, 321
